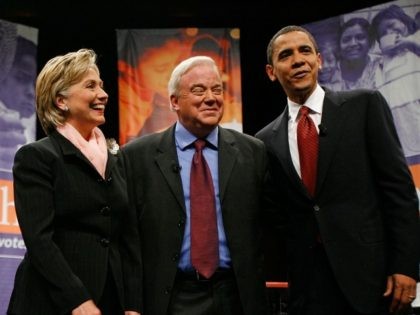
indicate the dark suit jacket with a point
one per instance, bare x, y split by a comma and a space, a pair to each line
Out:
159, 200
365, 207
76, 227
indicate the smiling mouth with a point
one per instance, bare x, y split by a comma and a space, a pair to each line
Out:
97, 106
353, 52
299, 75
209, 112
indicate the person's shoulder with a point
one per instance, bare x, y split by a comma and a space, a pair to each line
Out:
236, 134
40, 148
40, 144
149, 140
351, 94
267, 130
241, 138
137, 142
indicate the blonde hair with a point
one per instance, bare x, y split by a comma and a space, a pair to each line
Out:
55, 78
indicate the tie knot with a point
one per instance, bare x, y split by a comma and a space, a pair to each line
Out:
199, 144
304, 110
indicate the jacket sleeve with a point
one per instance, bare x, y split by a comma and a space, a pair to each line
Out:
398, 193
34, 202
131, 252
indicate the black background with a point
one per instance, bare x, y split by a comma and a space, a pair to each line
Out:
68, 25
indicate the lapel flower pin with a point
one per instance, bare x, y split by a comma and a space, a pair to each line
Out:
112, 146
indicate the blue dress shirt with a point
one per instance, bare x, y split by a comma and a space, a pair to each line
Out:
185, 151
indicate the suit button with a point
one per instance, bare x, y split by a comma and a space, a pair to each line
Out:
317, 208
167, 290
175, 257
105, 211
104, 242
181, 223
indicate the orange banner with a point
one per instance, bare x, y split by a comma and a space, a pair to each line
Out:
8, 220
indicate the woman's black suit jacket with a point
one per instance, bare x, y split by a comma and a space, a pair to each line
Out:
76, 226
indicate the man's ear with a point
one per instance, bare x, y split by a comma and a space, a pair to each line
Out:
270, 72
319, 61
174, 102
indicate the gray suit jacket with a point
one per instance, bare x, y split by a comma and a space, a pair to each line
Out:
365, 207
157, 194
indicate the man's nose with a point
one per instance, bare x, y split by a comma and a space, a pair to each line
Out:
209, 96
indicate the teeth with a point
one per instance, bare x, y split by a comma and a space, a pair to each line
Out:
97, 106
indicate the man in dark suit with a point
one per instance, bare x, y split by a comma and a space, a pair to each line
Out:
353, 242
159, 181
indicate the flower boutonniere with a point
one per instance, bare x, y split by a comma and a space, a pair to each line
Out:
112, 146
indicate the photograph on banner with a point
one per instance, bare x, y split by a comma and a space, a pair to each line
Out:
18, 69
146, 58
17, 92
378, 48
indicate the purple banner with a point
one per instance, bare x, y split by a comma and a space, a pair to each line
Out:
18, 68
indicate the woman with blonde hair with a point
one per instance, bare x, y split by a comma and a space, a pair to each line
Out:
72, 204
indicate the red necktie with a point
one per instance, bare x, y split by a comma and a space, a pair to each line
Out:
204, 238
307, 139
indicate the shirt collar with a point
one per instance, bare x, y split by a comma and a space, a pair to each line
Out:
184, 138
314, 102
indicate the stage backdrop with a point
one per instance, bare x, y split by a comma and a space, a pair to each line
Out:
379, 48
146, 58
18, 47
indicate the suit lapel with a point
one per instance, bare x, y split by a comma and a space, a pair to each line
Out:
280, 144
332, 120
112, 159
228, 153
67, 148
167, 159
